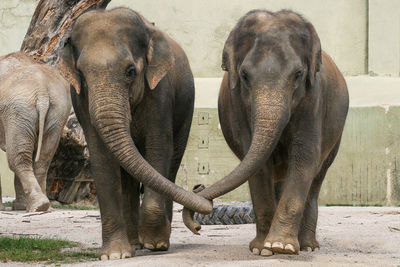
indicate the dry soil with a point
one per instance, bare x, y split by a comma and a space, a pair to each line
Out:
356, 236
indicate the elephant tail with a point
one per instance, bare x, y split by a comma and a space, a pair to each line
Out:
42, 106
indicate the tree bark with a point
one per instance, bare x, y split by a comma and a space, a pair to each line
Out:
69, 179
51, 25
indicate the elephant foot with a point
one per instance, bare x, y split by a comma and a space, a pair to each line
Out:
155, 235
308, 242
38, 203
257, 247
281, 244
118, 248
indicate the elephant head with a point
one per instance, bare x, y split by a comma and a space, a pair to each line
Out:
112, 57
272, 61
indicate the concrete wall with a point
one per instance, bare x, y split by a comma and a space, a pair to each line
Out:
15, 16
202, 27
384, 37
365, 171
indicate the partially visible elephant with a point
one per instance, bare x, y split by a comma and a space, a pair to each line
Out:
282, 108
133, 95
34, 107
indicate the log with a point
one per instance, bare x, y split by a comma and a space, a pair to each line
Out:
69, 178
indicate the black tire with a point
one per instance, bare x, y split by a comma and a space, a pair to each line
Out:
226, 215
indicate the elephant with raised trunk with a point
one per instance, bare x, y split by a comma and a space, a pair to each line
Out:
282, 108
134, 97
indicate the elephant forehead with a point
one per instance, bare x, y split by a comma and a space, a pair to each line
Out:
100, 24
104, 55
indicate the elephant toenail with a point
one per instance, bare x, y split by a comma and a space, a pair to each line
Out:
126, 255
316, 249
290, 247
267, 245
149, 246
162, 245
277, 245
256, 251
308, 249
266, 252
115, 256
104, 257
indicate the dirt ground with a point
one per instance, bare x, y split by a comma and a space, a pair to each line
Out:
356, 236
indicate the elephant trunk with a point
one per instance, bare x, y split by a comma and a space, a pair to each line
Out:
270, 115
110, 113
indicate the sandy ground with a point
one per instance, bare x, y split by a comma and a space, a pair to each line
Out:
356, 236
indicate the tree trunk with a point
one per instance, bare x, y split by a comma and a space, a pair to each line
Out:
69, 178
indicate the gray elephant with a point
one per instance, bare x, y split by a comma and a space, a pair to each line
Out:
282, 107
134, 97
34, 107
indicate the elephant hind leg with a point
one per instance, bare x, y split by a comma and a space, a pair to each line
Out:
20, 200
20, 147
307, 232
50, 142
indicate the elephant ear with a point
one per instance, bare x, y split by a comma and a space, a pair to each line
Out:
67, 67
160, 58
314, 58
229, 62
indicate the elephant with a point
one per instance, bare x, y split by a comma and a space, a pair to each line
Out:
34, 108
282, 108
133, 94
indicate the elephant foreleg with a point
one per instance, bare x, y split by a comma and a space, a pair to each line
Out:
130, 205
106, 173
154, 224
263, 198
303, 164
307, 238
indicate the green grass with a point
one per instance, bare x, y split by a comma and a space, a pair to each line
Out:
74, 207
8, 204
48, 251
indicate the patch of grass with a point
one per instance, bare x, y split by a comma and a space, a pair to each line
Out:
49, 251
8, 204
74, 207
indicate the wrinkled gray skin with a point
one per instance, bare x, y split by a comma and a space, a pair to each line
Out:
34, 107
282, 108
135, 105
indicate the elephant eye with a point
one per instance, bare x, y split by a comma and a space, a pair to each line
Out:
298, 75
131, 70
244, 76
